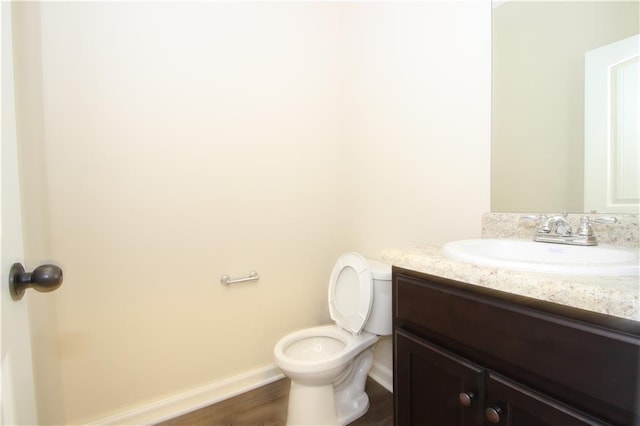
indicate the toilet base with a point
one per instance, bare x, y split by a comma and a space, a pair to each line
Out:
356, 410
311, 405
335, 404
351, 399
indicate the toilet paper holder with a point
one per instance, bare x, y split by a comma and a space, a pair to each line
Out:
226, 279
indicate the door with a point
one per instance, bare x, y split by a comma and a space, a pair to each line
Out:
611, 128
17, 392
512, 404
437, 387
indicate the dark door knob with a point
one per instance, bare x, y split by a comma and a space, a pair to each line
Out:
44, 278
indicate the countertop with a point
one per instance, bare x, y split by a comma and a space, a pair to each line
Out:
617, 296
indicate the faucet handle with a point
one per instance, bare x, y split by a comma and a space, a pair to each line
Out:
586, 221
531, 218
585, 229
528, 218
538, 219
607, 220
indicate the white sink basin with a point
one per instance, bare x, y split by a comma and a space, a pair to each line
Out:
527, 255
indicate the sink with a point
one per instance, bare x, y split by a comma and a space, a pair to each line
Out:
527, 255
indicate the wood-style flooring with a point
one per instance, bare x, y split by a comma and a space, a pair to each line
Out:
267, 406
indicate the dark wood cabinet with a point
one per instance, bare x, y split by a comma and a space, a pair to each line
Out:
466, 355
513, 404
433, 382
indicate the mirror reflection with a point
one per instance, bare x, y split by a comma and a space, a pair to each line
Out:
538, 105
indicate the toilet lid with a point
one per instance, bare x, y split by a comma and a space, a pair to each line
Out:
351, 292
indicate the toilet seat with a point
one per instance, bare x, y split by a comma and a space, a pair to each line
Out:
350, 292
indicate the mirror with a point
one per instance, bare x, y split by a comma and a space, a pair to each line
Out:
538, 100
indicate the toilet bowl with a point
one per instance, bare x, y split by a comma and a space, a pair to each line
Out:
316, 355
328, 365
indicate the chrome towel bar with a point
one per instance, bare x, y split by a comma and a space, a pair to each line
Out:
226, 279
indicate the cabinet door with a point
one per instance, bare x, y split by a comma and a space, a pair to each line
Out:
437, 387
512, 404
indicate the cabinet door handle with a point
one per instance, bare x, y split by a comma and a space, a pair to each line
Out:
466, 398
493, 414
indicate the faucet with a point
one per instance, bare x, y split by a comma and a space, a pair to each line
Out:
555, 225
557, 229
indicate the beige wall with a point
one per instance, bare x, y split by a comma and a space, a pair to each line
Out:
187, 141
538, 97
417, 121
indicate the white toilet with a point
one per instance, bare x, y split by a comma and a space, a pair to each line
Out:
328, 365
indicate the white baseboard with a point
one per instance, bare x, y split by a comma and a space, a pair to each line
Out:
185, 402
382, 375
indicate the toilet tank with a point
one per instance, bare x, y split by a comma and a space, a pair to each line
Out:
379, 321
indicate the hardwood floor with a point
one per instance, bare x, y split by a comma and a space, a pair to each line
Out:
267, 406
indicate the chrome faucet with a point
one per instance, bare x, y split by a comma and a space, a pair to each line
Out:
557, 229
555, 225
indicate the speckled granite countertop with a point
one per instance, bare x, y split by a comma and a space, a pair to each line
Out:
617, 296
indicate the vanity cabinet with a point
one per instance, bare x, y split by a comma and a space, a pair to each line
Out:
466, 355
431, 381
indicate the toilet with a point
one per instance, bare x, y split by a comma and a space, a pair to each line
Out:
328, 365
